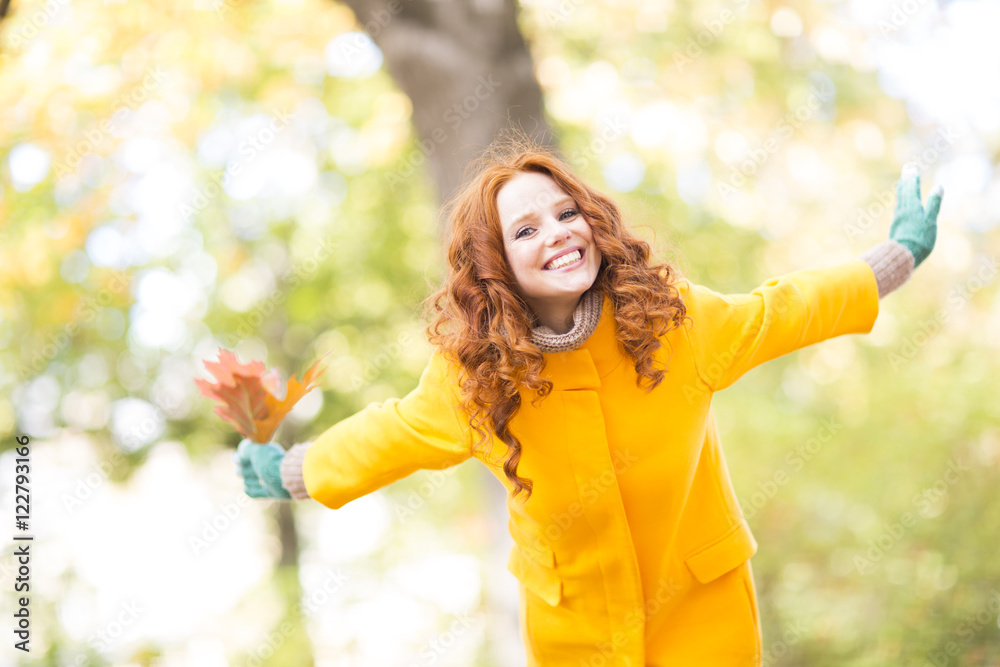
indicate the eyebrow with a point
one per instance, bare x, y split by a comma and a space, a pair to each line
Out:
530, 214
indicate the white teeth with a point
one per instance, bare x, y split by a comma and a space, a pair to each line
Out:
564, 260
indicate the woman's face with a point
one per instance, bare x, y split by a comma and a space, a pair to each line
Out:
541, 222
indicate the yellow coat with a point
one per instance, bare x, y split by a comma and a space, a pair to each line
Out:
632, 550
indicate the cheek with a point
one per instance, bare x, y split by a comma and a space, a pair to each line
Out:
595, 254
515, 267
524, 258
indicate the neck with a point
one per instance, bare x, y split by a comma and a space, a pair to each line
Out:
559, 319
583, 322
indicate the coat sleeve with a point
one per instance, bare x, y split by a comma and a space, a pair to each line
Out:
733, 333
387, 441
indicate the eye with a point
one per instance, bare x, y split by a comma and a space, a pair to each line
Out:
562, 216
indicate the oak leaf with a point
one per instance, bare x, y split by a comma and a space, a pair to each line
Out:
249, 397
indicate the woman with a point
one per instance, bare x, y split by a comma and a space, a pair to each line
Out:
582, 377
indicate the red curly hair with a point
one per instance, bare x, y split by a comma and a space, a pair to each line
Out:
488, 325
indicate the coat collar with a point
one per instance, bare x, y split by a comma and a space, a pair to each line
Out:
595, 358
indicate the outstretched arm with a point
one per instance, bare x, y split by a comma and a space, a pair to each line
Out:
382, 443
735, 332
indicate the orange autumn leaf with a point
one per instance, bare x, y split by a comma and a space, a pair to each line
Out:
249, 396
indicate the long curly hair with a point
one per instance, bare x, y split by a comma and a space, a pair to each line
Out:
487, 325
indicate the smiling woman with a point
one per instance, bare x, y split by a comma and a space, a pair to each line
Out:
554, 338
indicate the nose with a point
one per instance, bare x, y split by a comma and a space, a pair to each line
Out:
559, 232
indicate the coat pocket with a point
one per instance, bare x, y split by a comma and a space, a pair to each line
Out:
722, 554
543, 582
533, 563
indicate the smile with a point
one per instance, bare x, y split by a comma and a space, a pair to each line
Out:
569, 261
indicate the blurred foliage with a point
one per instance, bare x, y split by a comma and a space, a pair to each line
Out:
123, 266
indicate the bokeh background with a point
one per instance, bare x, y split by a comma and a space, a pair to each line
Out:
267, 176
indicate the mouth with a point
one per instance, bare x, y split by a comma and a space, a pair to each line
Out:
567, 261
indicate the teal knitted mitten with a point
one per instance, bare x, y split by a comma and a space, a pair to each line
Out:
912, 226
260, 467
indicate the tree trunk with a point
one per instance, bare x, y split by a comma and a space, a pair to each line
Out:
467, 71
288, 534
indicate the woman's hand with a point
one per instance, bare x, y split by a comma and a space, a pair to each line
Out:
260, 467
912, 226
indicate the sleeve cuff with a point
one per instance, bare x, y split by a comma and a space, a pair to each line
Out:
291, 471
892, 263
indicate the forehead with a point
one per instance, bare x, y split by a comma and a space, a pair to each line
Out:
526, 193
